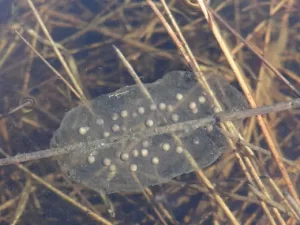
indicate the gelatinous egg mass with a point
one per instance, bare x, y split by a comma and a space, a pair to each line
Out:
136, 164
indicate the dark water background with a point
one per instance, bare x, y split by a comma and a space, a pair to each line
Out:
102, 72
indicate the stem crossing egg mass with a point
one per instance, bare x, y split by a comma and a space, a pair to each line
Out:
136, 164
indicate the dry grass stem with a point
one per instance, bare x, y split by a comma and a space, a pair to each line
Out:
55, 55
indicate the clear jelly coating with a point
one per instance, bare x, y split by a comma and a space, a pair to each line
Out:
130, 165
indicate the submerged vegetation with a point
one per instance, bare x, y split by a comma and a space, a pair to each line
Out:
55, 55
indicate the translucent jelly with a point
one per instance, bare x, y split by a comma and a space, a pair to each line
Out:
135, 164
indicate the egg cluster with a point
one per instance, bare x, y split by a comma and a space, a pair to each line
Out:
133, 164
